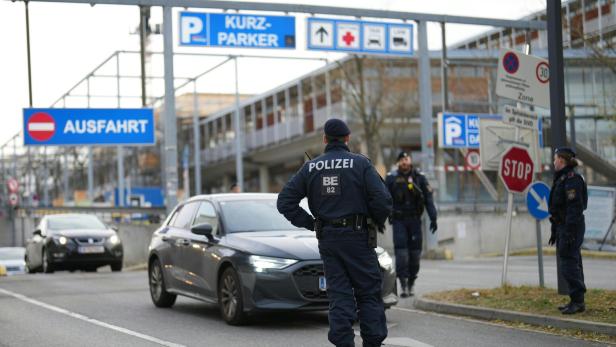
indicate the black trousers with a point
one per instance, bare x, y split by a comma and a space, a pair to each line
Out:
570, 256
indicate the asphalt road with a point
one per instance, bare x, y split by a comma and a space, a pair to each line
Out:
114, 309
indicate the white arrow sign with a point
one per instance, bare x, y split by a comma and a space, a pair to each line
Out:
543, 203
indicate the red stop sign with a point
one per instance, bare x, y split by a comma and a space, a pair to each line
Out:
516, 169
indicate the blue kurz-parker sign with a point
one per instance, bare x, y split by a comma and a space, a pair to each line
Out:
236, 30
88, 126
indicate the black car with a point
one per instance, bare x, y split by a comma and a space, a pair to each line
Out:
71, 242
238, 251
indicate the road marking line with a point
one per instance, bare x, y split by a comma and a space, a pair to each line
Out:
89, 320
400, 341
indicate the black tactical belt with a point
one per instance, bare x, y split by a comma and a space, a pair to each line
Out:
357, 222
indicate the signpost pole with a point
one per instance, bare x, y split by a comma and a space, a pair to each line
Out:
65, 177
197, 139
557, 78
90, 155
120, 148
170, 126
425, 111
239, 169
45, 178
425, 101
539, 252
508, 237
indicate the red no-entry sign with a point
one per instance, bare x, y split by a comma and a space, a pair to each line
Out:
516, 169
41, 126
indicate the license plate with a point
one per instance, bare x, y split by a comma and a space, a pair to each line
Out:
91, 249
322, 283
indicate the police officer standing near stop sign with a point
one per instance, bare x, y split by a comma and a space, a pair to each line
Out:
411, 193
568, 200
345, 194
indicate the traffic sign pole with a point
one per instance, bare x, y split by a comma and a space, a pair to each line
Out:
506, 252
539, 252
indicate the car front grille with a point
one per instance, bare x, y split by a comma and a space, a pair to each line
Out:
307, 280
89, 240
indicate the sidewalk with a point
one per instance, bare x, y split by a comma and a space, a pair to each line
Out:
512, 316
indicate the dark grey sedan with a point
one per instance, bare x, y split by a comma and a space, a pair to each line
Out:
73, 241
237, 251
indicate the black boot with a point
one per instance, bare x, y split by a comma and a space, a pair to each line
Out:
563, 307
411, 284
574, 307
404, 283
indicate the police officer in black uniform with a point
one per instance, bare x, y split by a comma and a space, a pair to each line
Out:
568, 200
345, 194
412, 194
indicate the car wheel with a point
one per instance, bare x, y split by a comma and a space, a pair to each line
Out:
29, 269
160, 296
47, 266
230, 298
116, 267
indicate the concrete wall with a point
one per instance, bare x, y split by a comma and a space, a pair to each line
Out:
472, 234
136, 239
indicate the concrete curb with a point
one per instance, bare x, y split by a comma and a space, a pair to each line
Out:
495, 314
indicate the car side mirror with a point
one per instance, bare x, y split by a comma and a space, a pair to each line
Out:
37, 232
204, 229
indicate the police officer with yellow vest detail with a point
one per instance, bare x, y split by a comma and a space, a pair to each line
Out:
345, 195
568, 200
411, 193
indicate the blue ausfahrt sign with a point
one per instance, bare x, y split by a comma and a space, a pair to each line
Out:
88, 126
537, 200
236, 30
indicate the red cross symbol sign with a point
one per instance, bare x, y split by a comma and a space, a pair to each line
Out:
348, 38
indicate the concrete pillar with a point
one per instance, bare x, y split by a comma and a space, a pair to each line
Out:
264, 179
226, 183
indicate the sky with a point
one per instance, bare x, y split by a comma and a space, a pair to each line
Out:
69, 40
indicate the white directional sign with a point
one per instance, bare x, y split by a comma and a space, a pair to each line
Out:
400, 38
374, 37
321, 34
496, 137
519, 117
523, 78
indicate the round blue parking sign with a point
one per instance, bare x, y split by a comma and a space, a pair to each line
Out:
537, 200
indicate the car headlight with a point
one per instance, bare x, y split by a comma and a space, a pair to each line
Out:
384, 258
261, 263
61, 240
114, 240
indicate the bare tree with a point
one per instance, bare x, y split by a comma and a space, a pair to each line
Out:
377, 99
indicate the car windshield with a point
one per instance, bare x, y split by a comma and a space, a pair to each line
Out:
254, 215
12, 253
75, 222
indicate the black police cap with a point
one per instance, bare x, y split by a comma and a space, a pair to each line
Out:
565, 150
403, 155
336, 128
